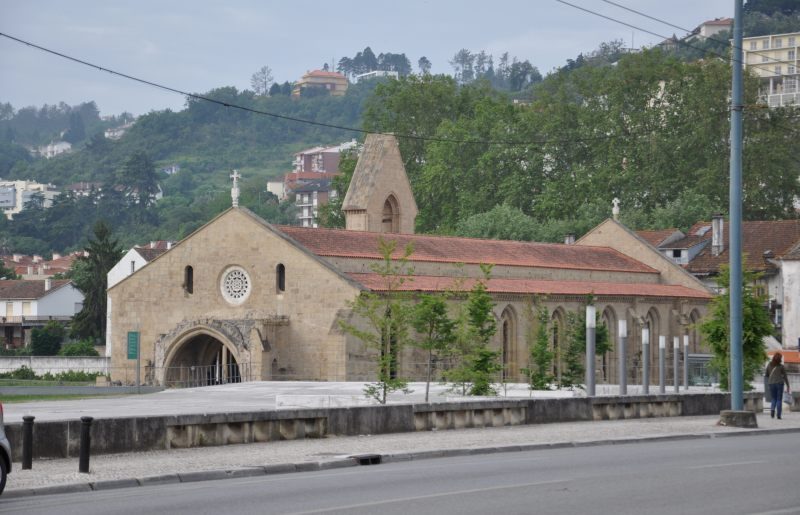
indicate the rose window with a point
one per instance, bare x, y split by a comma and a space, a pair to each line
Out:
235, 285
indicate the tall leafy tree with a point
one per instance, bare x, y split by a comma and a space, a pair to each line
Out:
424, 65
89, 274
382, 320
755, 326
433, 324
540, 356
139, 181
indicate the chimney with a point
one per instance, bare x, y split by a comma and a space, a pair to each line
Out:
717, 240
56, 255
37, 258
569, 239
152, 244
48, 283
169, 245
30, 270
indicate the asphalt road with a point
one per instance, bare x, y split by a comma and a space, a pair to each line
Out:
735, 475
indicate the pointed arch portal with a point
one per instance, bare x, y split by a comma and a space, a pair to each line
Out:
202, 359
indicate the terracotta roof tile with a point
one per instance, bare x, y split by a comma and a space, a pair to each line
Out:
150, 254
780, 237
356, 244
655, 238
26, 289
532, 286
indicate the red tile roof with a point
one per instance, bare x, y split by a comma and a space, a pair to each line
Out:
779, 236
26, 289
356, 244
424, 283
322, 73
655, 238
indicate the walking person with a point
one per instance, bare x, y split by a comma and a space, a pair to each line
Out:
776, 378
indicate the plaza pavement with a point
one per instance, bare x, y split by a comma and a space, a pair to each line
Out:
183, 465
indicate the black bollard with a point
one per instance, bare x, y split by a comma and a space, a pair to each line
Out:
27, 442
86, 442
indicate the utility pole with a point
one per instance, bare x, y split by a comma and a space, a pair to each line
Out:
737, 366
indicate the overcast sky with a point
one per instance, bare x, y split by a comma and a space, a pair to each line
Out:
199, 45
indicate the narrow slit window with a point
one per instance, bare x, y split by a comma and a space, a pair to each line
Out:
280, 278
188, 279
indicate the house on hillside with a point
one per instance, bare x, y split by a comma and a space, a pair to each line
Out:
29, 304
333, 82
775, 60
36, 267
15, 196
243, 299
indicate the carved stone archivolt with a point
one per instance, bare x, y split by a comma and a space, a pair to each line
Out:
234, 332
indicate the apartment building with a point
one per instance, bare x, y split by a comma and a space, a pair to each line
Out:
774, 59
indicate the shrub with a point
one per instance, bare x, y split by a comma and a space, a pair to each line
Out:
80, 348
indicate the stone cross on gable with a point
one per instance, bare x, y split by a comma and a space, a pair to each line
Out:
615, 209
235, 189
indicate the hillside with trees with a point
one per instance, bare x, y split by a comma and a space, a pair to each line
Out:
493, 150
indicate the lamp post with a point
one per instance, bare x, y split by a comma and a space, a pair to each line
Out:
622, 351
646, 360
591, 335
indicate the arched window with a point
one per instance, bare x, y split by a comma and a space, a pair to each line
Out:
280, 278
188, 279
391, 216
509, 335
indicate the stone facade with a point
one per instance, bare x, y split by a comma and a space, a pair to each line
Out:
240, 297
291, 334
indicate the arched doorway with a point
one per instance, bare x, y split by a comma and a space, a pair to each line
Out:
202, 359
391, 215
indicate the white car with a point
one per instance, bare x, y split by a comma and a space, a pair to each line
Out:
5, 453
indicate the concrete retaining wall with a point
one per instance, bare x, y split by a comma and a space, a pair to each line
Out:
61, 439
55, 364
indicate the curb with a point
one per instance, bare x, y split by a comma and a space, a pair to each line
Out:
352, 461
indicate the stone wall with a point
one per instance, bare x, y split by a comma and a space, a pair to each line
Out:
55, 364
61, 439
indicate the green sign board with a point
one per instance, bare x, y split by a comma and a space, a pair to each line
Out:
133, 344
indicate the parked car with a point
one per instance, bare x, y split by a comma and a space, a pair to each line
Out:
5, 453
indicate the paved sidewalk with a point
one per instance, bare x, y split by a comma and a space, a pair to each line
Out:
134, 469
184, 465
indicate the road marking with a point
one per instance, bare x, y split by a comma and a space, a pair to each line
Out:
796, 509
732, 464
431, 496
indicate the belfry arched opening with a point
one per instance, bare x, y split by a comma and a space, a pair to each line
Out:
202, 360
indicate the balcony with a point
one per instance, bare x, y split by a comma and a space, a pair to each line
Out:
783, 99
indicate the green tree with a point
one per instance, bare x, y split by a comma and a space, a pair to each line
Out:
573, 374
79, 348
139, 181
382, 319
261, 80
483, 362
431, 320
755, 326
46, 341
7, 273
89, 274
538, 338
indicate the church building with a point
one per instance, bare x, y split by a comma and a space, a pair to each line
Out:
241, 299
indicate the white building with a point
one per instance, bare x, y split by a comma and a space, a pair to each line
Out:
376, 74
15, 194
774, 59
29, 304
55, 148
133, 260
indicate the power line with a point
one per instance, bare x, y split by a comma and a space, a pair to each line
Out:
301, 120
712, 38
635, 27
